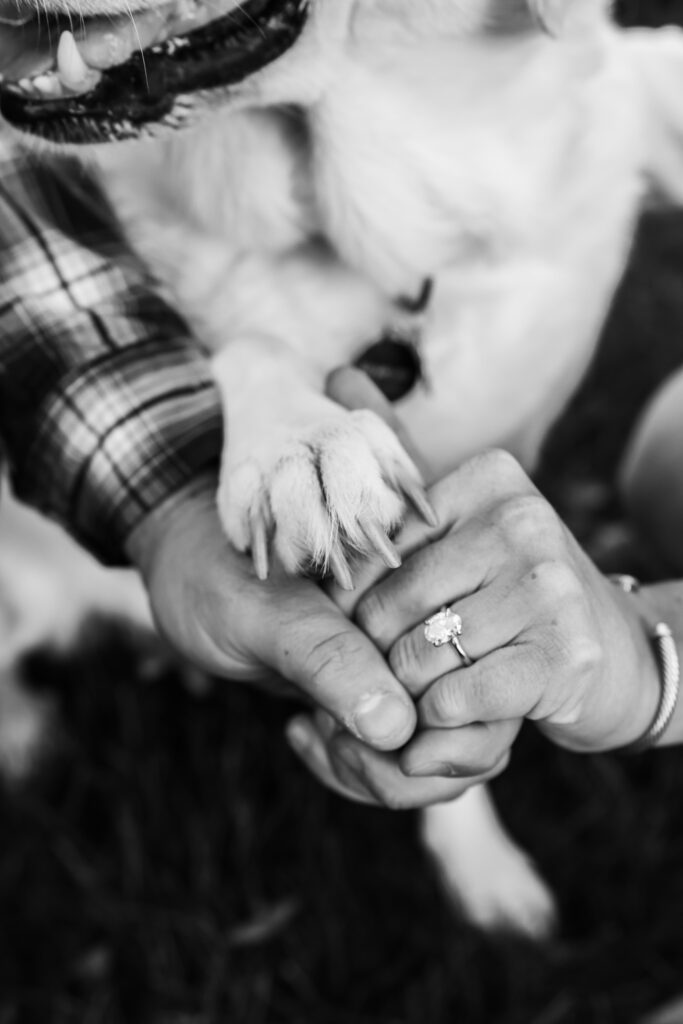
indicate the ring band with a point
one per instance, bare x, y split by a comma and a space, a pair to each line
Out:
456, 642
446, 628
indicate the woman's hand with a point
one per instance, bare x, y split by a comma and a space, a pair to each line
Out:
552, 640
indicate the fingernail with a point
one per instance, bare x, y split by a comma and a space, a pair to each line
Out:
433, 769
298, 735
383, 719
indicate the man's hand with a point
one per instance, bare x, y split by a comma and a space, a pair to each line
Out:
210, 606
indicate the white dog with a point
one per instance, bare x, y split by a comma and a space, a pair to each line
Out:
486, 156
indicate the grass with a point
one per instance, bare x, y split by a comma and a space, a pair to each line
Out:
172, 863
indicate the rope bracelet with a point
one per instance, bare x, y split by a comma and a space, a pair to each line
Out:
668, 663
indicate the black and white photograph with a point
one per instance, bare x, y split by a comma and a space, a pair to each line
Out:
341, 511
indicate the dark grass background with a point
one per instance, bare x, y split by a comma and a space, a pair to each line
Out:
172, 863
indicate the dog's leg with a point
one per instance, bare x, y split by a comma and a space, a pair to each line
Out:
488, 876
657, 59
321, 481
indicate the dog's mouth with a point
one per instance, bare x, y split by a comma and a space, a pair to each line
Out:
104, 79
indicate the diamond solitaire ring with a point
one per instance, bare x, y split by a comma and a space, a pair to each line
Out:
446, 628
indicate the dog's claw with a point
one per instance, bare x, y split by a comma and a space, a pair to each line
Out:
341, 571
259, 545
382, 545
417, 496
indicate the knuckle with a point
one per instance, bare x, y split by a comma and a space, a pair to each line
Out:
474, 765
499, 766
391, 799
326, 656
499, 465
585, 657
556, 585
390, 796
372, 614
443, 703
526, 521
404, 660
486, 765
488, 694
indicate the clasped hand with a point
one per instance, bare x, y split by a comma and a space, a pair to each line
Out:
398, 721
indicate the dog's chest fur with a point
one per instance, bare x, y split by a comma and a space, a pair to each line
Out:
506, 171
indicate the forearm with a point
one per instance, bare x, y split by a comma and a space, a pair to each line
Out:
107, 406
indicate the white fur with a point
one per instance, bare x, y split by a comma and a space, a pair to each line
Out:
483, 870
508, 167
500, 148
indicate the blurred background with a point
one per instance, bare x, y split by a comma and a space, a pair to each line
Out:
169, 861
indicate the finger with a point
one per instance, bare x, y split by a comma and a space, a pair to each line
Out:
490, 618
501, 545
470, 752
353, 389
475, 490
439, 574
440, 564
310, 747
310, 643
382, 776
504, 685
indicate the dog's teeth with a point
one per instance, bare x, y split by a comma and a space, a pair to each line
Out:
48, 85
73, 72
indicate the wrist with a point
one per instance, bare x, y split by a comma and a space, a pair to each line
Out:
657, 671
641, 698
197, 498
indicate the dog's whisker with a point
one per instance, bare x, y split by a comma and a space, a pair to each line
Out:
140, 46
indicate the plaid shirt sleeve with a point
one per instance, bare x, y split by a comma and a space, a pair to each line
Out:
107, 406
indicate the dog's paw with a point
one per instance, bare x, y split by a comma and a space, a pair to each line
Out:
501, 891
485, 874
321, 495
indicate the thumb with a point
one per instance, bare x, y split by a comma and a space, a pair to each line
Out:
312, 644
353, 389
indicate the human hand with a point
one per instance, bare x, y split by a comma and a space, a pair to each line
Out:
556, 643
210, 606
552, 640
476, 753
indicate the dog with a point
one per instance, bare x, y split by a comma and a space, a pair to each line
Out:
461, 177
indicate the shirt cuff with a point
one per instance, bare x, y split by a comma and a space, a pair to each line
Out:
118, 437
